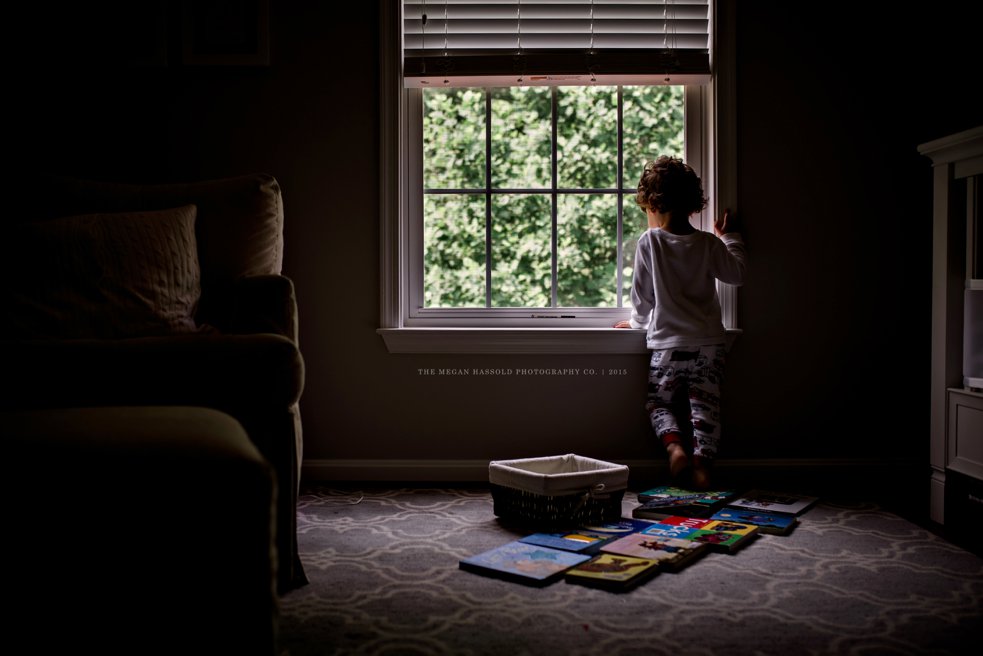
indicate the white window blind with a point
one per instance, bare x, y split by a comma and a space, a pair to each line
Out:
451, 43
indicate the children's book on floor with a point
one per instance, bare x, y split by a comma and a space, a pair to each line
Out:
621, 526
720, 536
523, 563
656, 510
767, 522
666, 501
673, 554
613, 572
775, 502
671, 492
579, 541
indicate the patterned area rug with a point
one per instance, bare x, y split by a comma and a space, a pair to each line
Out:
850, 579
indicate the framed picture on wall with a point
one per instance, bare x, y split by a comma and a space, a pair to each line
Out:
226, 32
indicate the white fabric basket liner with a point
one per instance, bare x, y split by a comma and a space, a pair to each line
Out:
559, 475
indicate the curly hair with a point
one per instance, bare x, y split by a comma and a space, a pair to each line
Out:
670, 185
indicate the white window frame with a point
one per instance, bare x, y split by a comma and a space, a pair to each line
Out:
407, 327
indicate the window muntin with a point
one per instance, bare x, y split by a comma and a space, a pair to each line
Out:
528, 195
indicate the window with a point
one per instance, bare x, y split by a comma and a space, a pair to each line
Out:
511, 212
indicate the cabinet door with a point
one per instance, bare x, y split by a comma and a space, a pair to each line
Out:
966, 433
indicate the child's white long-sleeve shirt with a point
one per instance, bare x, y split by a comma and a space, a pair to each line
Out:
674, 292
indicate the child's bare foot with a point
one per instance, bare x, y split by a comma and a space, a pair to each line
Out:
679, 464
701, 479
701, 474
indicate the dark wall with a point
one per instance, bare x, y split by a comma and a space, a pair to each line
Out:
836, 354
834, 360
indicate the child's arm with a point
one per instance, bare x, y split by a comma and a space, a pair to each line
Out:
642, 295
729, 263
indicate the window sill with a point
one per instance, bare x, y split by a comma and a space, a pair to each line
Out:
520, 340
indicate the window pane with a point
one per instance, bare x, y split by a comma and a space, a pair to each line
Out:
653, 126
587, 250
520, 138
521, 150
587, 137
521, 251
634, 224
453, 139
454, 250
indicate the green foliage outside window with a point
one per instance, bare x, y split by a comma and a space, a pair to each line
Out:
520, 199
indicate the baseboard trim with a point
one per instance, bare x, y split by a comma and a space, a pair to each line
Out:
438, 471
818, 473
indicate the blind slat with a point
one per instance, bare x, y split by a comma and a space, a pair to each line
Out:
438, 27
465, 40
435, 45
561, 9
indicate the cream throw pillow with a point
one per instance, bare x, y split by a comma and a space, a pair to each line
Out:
103, 276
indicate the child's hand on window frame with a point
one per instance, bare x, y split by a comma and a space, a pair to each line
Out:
728, 222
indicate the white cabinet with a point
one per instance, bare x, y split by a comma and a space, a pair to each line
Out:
957, 277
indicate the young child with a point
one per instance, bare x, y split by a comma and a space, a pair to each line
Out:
674, 298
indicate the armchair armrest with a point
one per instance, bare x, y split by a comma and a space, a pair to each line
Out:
264, 304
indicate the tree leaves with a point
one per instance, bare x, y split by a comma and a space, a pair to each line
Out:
454, 138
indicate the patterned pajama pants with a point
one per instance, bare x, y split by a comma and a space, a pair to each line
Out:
684, 395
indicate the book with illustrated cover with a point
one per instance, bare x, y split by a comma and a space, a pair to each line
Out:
587, 542
767, 522
613, 572
523, 563
670, 492
622, 526
724, 536
673, 554
666, 501
656, 510
718, 535
774, 502
676, 527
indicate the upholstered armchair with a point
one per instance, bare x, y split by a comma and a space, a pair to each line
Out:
168, 295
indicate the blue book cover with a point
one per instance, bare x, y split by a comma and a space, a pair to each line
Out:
774, 523
622, 526
523, 563
576, 541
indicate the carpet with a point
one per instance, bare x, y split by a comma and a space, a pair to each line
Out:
851, 578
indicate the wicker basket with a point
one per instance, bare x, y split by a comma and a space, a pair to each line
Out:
567, 490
